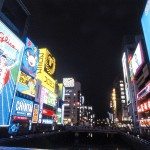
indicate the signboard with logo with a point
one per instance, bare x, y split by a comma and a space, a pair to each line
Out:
26, 84
42, 74
30, 59
22, 107
11, 50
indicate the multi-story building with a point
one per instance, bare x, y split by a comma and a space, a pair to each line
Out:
86, 116
118, 102
71, 101
136, 78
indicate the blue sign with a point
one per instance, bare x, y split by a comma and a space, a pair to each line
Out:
22, 107
146, 26
30, 59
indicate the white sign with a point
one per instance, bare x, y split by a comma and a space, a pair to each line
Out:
68, 82
137, 59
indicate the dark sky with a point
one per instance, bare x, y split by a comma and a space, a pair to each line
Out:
85, 37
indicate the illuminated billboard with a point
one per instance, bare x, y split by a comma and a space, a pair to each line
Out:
68, 82
11, 50
137, 60
50, 63
35, 113
22, 107
146, 26
42, 74
47, 97
30, 59
26, 84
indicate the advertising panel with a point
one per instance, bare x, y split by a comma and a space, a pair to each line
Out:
146, 26
22, 107
35, 113
11, 50
48, 97
137, 60
30, 59
46, 79
26, 84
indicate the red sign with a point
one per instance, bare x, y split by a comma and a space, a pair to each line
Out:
5, 38
145, 106
48, 112
145, 122
21, 118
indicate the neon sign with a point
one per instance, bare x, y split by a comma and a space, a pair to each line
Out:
145, 122
144, 106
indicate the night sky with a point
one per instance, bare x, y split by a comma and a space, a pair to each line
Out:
85, 37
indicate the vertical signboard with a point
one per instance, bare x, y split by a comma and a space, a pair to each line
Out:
43, 74
35, 113
126, 77
11, 49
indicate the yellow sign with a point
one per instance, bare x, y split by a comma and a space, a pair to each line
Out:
43, 74
49, 61
50, 64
